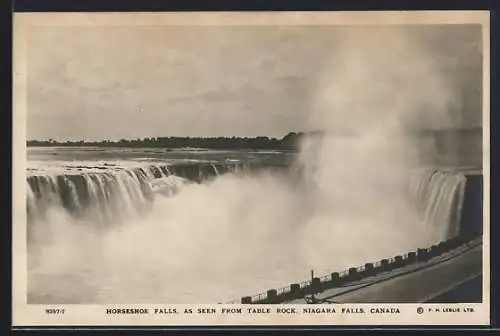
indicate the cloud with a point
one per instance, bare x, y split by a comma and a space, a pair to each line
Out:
246, 80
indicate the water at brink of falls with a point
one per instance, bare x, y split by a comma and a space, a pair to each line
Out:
206, 226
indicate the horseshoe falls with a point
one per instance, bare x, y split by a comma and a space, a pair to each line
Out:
176, 231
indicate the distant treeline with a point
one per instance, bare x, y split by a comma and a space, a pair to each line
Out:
289, 141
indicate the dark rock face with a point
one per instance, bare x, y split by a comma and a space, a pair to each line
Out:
471, 222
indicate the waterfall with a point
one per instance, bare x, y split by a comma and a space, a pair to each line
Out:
104, 192
438, 196
31, 206
43, 191
118, 192
101, 195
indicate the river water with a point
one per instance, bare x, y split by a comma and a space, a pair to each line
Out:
114, 225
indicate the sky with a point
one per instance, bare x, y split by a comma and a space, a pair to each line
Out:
107, 82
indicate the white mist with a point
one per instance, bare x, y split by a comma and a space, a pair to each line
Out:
240, 235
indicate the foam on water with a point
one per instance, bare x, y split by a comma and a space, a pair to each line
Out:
237, 231
172, 240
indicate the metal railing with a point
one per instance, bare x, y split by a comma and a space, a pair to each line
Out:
354, 274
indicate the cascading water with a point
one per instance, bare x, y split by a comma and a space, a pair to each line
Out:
239, 233
104, 194
113, 192
227, 221
438, 196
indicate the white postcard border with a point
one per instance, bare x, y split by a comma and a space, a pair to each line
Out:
24, 314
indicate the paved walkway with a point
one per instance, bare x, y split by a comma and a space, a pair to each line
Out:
415, 283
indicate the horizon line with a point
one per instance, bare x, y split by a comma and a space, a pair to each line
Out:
161, 137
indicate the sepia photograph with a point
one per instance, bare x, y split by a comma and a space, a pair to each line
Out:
239, 162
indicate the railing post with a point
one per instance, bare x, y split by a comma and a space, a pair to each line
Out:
422, 254
384, 264
335, 278
246, 300
353, 273
435, 250
412, 257
316, 285
369, 269
272, 296
294, 289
